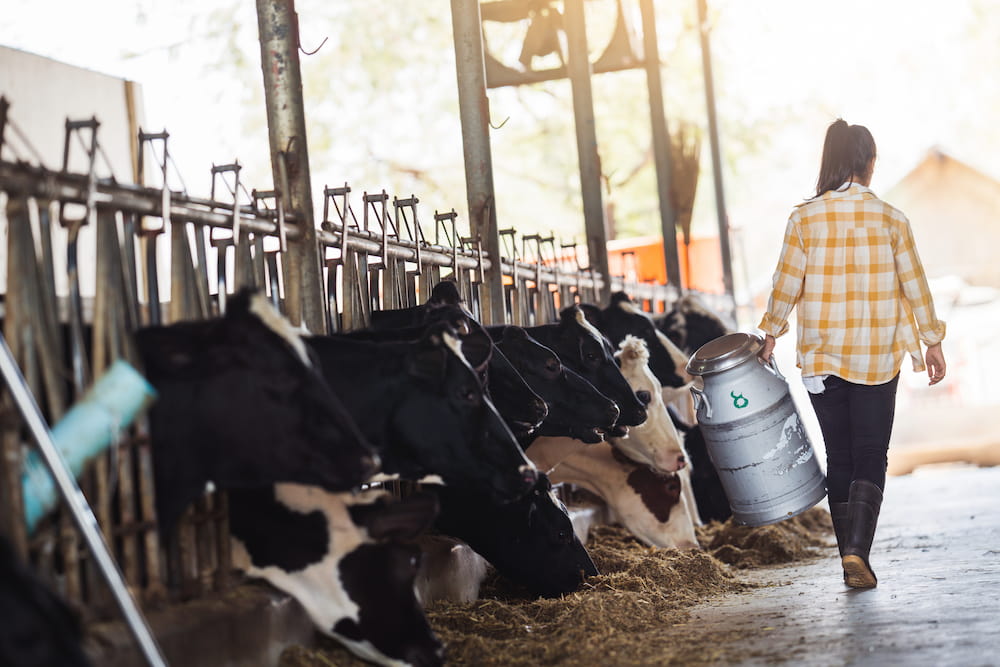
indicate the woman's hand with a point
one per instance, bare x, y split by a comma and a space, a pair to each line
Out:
765, 352
935, 364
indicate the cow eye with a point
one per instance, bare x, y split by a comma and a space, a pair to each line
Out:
552, 365
644, 396
563, 537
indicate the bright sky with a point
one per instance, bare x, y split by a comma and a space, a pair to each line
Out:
911, 70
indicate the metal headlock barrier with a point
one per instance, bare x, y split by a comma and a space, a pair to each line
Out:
157, 256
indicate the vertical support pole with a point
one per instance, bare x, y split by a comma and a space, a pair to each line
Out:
713, 135
286, 124
661, 143
578, 66
473, 106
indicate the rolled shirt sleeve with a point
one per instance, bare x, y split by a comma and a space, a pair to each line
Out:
786, 284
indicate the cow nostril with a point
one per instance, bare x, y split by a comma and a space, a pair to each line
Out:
614, 413
541, 408
681, 462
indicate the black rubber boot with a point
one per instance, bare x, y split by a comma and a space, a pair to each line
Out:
863, 505
838, 512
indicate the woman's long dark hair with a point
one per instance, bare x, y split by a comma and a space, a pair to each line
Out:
847, 151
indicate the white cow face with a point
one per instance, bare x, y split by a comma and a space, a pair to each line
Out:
656, 442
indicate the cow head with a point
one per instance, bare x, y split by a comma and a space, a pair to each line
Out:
521, 408
242, 404
444, 295
655, 442
529, 541
447, 422
338, 555
575, 408
587, 351
690, 324
648, 503
624, 317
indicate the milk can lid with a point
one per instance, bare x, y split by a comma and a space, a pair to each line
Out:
723, 353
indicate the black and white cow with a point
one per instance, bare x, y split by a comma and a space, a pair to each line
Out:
445, 293
587, 351
38, 628
706, 486
622, 318
576, 409
690, 324
424, 410
241, 404
521, 408
529, 541
342, 556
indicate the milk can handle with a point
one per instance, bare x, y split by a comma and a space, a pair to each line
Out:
772, 366
699, 400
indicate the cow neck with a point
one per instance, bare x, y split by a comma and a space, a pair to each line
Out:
370, 379
593, 468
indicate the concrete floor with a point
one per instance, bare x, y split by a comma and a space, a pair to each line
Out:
937, 557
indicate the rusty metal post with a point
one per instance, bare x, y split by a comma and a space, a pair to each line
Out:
286, 123
579, 69
713, 135
661, 143
474, 110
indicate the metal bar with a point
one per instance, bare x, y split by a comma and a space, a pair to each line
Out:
713, 136
586, 142
473, 106
661, 143
78, 506
286, 123
72, 188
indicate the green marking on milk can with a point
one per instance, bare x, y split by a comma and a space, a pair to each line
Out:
739, 402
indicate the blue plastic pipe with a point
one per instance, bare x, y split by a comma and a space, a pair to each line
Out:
105, 410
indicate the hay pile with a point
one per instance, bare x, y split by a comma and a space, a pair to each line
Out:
784, 542
632, 613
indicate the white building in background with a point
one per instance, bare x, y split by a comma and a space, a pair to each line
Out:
44, 93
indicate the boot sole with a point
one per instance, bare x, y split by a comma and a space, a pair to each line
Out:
856, 573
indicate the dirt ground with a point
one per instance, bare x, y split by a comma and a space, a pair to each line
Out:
762, 596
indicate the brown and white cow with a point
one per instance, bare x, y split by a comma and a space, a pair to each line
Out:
648, 503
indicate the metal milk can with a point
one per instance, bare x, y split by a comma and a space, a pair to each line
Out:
753, 432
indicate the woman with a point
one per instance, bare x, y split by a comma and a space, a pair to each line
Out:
850, 266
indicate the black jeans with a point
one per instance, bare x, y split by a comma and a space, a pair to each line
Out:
856, 420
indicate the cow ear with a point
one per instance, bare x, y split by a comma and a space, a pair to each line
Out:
620, 297
567, 316
445, 293
397, 519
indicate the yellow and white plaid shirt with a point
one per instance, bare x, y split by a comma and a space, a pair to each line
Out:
850, 265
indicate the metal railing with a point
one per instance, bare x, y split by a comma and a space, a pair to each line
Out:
160, 256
